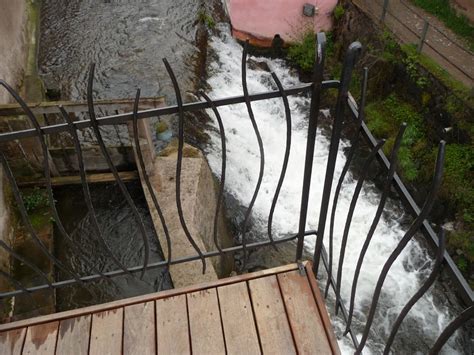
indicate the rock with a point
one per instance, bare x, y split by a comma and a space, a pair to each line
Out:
258, 65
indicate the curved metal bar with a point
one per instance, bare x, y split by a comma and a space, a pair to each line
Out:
86, 191
223, 166
113, 169
465, 316
286, 157
355, 198
145, 175
404, 241
345, 169
375, 222
260, 147
179, 163
318, 73
49, 188
26, 262
429, 281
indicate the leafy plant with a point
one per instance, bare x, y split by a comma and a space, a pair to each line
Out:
35, 199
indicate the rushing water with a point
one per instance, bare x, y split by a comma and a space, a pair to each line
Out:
432, 313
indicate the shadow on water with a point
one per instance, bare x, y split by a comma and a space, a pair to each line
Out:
121, 232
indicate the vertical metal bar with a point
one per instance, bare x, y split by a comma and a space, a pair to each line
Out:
375, 222
113, 169
179, 163
403, 242
318, 72
384, 10
85, 189
286, 157
423, 36
146, 178
260, 147
350, 60
345, 169
429, 281
223, 168
350, 213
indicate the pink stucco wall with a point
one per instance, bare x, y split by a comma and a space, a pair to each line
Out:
265, 18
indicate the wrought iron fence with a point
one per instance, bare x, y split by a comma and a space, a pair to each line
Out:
345, 104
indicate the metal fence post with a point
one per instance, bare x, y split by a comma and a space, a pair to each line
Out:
423, 36
384, 10
311, 139
352, 56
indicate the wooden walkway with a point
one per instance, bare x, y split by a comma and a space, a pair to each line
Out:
276, 311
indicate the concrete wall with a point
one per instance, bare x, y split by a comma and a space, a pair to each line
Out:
13, 43
13, 49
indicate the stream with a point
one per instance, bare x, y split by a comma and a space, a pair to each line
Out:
126, 40
431, 314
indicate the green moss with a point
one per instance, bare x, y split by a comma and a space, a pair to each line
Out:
384, 119
206, 19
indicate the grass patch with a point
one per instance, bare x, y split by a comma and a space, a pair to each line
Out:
457, 23
384, 118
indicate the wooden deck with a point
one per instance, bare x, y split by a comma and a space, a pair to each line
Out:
276, 311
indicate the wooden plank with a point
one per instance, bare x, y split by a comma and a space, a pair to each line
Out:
272, 322
47, 107
106, 332
237, 319
74, 334
303, 314
11, 342
172, 326
145, 298
205, 323
139, 329
126, 176
41, 339
322, 309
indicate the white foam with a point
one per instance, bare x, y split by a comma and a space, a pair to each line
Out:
242, 173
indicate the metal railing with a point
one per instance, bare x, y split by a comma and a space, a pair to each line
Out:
428, 36
344, 104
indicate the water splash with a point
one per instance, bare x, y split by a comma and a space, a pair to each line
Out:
431, 314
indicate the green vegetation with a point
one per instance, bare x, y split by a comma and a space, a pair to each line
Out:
301, 53
34, 199
439, 73
206, 19
457, 23
338, 12
161, 127
384, 119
